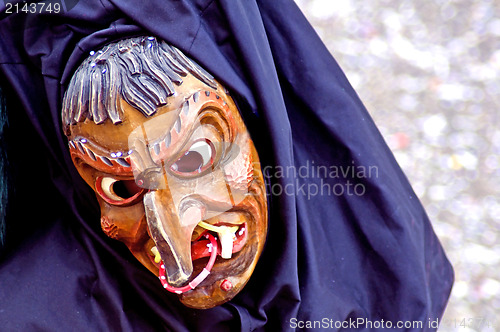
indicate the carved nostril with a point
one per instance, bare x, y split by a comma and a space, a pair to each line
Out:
152, 178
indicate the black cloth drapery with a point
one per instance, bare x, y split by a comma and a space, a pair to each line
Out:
348, 238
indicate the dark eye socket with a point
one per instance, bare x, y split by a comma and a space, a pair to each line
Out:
118, 192
198, 158
126, 188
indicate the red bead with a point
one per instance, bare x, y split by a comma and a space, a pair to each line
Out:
226, 285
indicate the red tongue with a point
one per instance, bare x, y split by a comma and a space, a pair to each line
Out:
201, 248
199, 278
205, 246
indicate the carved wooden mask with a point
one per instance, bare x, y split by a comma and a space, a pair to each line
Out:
174, 169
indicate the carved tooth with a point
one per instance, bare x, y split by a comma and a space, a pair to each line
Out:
155, 252
226, 241
226, 235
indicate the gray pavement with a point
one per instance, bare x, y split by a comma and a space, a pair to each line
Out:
429, 74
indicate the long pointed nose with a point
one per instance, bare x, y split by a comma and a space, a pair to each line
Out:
172, 230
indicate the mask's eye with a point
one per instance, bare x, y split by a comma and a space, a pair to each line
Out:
197, 159
118, 192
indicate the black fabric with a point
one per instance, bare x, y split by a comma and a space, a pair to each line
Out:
328, 256
4, 178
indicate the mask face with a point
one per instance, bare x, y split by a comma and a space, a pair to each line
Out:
181, 188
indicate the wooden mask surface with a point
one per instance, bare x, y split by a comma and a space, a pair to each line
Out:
175, 172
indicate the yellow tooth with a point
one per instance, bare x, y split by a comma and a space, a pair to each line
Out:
217, 228
155, 252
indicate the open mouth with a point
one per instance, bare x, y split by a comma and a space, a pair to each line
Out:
230, 239
220, 240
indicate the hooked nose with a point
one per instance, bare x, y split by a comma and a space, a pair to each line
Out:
171, 218
171, 227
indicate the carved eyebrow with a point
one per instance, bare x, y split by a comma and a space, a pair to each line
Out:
113, 162
159, 149
181, 130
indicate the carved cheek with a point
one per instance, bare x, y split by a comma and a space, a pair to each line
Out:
109, 227
239, 172
125, 224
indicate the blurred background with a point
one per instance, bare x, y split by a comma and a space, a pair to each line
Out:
429, 74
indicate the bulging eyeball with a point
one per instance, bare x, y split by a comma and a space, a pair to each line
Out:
198, 158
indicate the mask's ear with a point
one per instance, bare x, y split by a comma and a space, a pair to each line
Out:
3, 168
